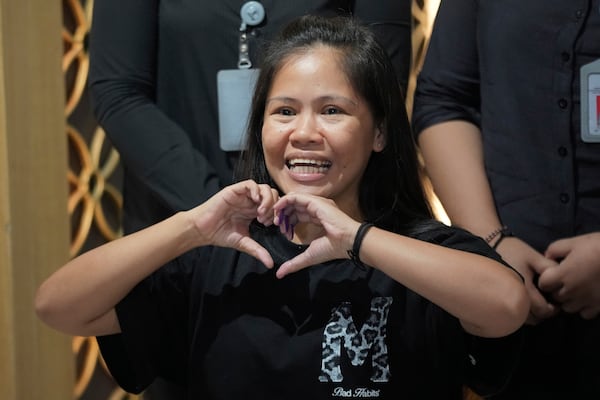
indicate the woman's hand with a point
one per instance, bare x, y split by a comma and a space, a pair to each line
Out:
223, 220
338, 229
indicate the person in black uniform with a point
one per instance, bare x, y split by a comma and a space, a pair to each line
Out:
320, 273
513, 159
153, 86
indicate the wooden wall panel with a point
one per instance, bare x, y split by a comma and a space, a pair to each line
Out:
35, 362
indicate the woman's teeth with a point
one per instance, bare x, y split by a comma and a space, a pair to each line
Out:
307, 166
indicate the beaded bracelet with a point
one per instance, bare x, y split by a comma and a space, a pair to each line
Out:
503, 232
360, 235
495, 233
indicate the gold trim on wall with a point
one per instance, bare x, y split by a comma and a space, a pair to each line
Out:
94, 202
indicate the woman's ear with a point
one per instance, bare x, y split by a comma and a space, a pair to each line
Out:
378, 140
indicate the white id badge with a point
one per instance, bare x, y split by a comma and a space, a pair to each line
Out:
234, 90
590, 102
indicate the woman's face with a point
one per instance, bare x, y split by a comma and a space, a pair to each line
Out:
318, 133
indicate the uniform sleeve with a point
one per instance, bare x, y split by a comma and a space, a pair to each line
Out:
448, 83
154, 328
391, 23
153, 147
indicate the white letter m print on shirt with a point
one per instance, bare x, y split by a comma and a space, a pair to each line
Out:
341, 331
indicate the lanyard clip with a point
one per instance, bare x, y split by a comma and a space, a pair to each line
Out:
252, 14
244, 58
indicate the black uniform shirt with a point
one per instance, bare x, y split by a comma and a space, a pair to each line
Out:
512, 68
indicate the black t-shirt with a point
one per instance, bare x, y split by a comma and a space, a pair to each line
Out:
224, 326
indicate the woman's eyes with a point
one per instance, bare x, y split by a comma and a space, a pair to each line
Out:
329, 110
284, 111
332, 110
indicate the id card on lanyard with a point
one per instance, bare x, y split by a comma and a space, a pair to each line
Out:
236, 86
590, 102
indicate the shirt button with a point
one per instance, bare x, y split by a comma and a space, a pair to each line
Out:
578, 14
562, 103
565, 56
564, 198
562, 151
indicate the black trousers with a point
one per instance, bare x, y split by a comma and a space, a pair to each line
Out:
560, 361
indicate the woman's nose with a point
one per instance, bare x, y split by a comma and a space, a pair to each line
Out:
306, 130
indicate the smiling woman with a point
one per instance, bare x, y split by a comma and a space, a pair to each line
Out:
275, 286
319, 138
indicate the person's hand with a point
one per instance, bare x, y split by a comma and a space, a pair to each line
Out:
530, 264
224, 219
338, 228
575, 284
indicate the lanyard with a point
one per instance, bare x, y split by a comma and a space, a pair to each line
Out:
252, 14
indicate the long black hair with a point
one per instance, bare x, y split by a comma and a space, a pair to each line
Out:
391, 194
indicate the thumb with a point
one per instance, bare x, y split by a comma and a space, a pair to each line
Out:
559, 249
251, 247
550, 280
295, 264
305, 259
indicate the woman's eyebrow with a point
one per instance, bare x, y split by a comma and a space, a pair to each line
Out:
338, 98
283, 99
288, 100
